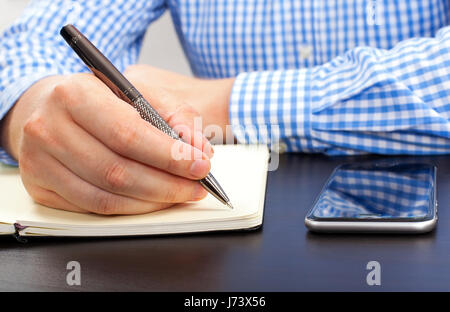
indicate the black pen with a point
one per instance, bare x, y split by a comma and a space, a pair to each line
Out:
111, 76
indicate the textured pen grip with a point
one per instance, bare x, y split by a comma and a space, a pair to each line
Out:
151, 115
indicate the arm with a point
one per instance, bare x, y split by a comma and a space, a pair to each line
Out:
79, 147
366, 101
31, 48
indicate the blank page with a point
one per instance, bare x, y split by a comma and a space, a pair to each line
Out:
240, 169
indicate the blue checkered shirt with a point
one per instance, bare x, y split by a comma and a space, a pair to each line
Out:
330, 76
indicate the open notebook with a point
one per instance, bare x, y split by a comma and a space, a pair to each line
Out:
240, 169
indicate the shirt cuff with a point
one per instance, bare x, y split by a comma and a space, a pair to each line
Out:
6, 159
272, 107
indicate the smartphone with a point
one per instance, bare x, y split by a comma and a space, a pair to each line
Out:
383, 196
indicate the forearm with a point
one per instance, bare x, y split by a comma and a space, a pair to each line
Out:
30, 53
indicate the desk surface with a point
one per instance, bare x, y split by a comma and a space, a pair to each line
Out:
282, 256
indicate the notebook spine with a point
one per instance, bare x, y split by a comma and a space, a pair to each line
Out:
17, 229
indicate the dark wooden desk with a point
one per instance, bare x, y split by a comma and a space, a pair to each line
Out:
282, 256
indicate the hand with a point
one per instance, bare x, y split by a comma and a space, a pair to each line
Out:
81, 148
173, 92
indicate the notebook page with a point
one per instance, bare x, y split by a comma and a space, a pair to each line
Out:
239, 169
11, 194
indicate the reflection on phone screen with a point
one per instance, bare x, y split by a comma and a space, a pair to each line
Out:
377, 191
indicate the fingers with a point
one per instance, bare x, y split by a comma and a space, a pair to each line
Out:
97, 200
95, 163
99, 166
79, 193
52, 199
119, 126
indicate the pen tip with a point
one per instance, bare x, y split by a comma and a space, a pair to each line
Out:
230, 205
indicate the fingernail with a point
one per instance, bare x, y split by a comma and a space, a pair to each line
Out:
199, 192
200, 168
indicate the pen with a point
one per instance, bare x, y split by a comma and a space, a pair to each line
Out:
111, 76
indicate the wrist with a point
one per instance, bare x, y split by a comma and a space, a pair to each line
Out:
214, 102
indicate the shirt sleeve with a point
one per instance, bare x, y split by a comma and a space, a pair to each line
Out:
32, 48
366, 101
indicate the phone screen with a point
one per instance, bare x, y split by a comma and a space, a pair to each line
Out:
378, 191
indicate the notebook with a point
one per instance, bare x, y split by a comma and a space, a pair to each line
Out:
240, 169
